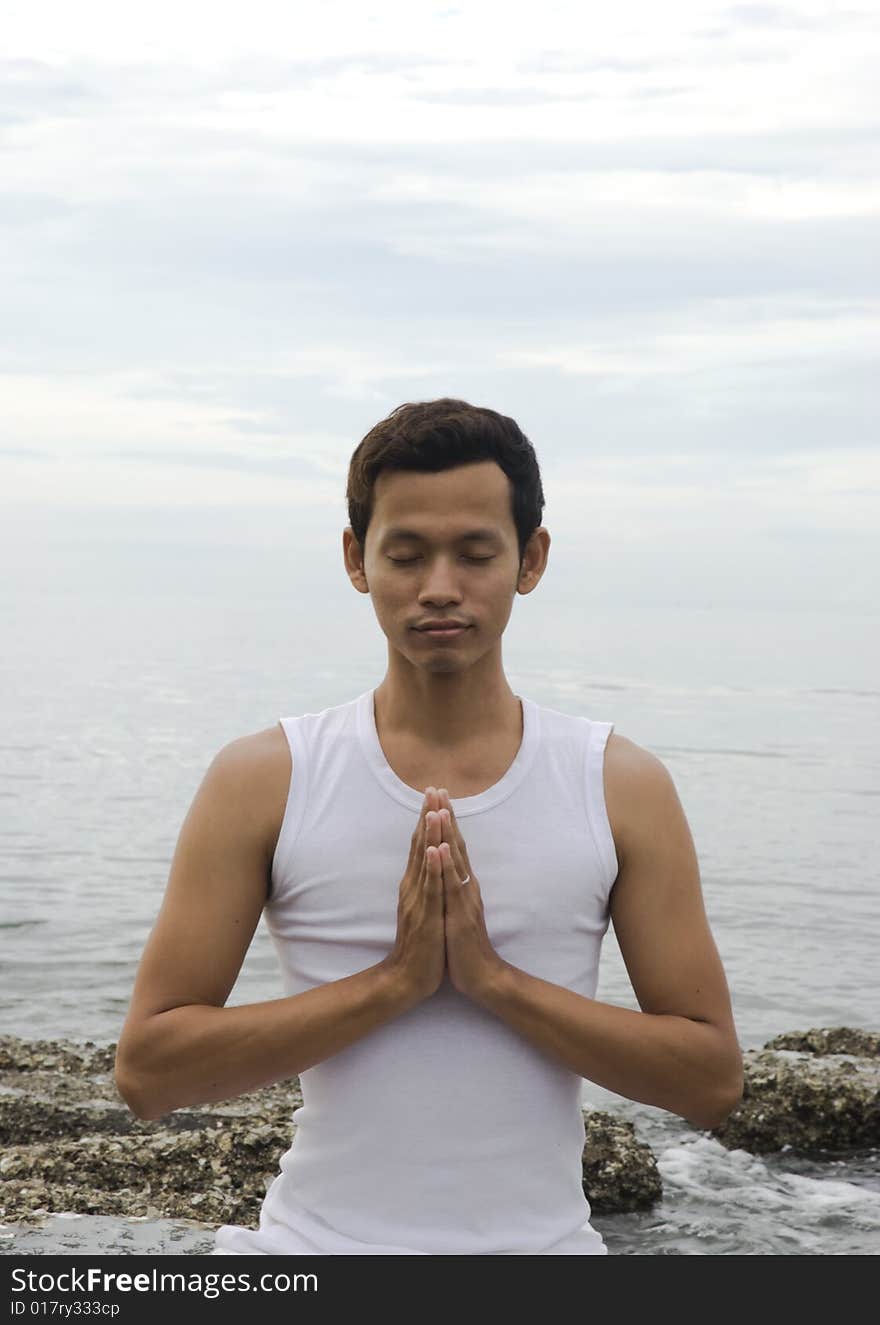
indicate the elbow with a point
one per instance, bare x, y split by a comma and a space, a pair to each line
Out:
711, 1109
131, 1091
729, 1090
133, 1098
736, 1097
723, 1106
129, 1096
144, 1110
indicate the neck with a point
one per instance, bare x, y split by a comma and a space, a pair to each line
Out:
446, 710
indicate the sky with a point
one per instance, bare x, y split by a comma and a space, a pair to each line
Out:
235, 236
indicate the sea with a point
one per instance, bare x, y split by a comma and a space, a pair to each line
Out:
126, 666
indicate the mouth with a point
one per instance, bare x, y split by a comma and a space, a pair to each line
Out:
446, 632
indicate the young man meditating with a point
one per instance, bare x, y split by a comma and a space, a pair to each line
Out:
438, 861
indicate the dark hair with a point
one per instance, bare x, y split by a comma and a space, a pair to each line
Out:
432, 435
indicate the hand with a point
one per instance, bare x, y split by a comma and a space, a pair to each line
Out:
471, 960
418, 957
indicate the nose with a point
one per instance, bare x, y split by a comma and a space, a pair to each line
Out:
439, 583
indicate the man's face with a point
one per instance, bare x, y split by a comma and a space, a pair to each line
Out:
423, 562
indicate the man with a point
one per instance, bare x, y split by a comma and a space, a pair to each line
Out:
441, 1021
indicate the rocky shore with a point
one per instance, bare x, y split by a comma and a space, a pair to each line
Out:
69, 1143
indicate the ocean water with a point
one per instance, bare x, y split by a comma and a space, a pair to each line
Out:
121, 679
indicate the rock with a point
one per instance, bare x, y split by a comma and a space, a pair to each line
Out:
72, 1145
189, 1174
816, 1091
619, 1172
836, 1040
60, 1056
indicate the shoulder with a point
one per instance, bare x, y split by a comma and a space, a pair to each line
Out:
637, 786
630, 766
258, 756
260, 765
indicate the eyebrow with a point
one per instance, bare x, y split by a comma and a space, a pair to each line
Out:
399, 532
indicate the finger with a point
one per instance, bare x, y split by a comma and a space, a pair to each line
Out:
453, 837
427, 845
447, 827
461, 867
416, 857
429, 837
437, 825
452, 877
450, 873
418, 834
433, 870
446, 804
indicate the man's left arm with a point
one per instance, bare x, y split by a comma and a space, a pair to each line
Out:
681, 1051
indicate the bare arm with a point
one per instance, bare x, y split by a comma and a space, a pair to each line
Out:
180, 1045
681, 1051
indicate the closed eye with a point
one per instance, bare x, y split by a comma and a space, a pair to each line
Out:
407, 561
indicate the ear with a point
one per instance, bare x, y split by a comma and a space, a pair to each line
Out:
534, 561
354, 561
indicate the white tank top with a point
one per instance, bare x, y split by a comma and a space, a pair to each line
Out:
444, 1130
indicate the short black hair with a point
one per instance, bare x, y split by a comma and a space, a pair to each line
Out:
432, 435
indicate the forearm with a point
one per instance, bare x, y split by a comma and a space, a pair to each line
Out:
670, 1062
199, 1054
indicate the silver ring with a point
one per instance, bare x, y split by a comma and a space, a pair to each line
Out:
464, 881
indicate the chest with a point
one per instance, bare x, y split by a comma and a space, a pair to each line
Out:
462, 773
335, 909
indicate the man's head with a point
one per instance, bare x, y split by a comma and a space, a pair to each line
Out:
420, 484
435, 435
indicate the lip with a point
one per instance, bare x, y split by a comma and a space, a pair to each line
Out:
449, 632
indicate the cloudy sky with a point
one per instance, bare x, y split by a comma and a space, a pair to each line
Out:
235, 236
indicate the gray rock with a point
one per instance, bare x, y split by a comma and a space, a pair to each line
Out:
620, 1172
833, 1040
70, 1144
816, 1091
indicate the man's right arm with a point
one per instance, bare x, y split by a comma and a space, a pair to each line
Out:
180, 1045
